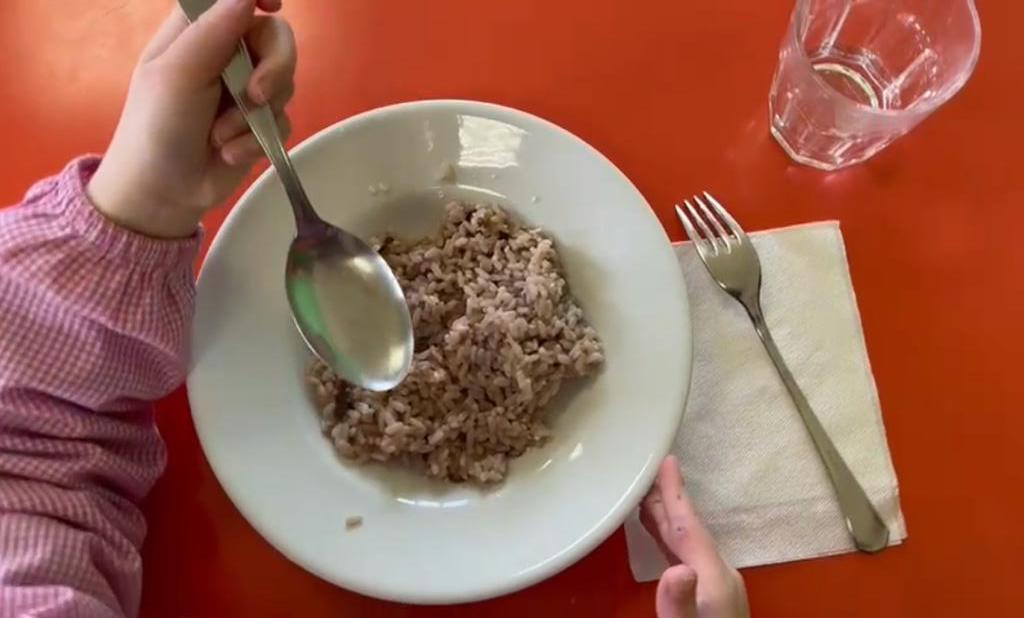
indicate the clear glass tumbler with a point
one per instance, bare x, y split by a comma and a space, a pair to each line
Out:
854, 75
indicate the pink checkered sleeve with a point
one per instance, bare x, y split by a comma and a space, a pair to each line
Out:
93, 322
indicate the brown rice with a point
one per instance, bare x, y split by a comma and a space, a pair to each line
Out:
497, 332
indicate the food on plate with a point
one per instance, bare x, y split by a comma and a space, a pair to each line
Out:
497, 334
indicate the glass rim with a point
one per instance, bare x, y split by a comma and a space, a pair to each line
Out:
800, 14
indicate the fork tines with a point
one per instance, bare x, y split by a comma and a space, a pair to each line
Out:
711, 225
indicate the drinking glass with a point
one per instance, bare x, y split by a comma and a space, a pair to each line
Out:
854, 75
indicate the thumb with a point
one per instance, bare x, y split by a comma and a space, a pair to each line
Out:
205, 47
677, 593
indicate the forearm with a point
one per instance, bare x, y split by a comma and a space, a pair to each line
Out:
93, 323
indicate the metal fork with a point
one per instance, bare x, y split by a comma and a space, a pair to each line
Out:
733, 263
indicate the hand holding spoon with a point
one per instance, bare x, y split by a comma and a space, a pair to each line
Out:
344, 298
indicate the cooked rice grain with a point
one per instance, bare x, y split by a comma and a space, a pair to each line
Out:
497, 332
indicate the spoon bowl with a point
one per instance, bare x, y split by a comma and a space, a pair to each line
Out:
348, 307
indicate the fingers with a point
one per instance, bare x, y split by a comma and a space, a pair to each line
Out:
272, 42
244, 151
676, 596
167, 33
671, 486
202, 51
175, 24
679, 527
669, 515
232, 124
228, 126
272, 83
655, 519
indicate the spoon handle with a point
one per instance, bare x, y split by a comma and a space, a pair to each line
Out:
262, 122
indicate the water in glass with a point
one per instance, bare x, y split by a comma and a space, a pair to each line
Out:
854, 75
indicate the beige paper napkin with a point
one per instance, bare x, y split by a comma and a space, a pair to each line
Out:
750, 466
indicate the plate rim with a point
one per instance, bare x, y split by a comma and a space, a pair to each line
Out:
618, 513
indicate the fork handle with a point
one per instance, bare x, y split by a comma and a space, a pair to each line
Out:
869, 532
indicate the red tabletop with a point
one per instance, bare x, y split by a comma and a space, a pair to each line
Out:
675, 93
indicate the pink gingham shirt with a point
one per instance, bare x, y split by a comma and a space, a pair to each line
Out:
93, 325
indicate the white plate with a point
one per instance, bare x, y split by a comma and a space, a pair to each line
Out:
425, 542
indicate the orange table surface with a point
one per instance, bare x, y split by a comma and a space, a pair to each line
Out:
675, 93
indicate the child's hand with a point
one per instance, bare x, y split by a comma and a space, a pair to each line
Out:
699, 584
181, 146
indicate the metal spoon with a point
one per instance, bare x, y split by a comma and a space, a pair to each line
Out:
345, 300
